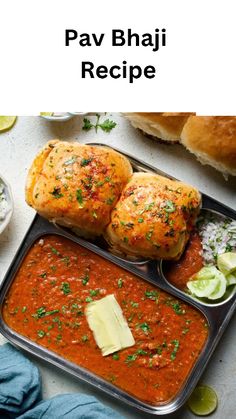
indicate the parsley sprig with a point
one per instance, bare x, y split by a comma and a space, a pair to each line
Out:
106, 125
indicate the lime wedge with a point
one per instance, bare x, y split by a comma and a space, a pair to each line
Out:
227, 262
203, 401
231, 279
220, 288
6, 122
46, 113
203, 287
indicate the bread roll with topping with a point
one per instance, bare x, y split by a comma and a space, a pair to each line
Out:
163, 126
153, 217
213, 140
77, 185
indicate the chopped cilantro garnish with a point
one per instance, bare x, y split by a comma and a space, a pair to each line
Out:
127, 225
85, 162
66, 260
79, 196
177, 308
145, 327
141, 352
116, 357
65, 287
41, 312
140, 220
126, 240
40, 333
75, 308
120, 283
55, 251
84, 338
149, 235
57, 192
175, 350
44, 275
152, 295
110, 201
93, 293
85, 279
170, 206
88, 299
100, 183
131, 358
147, 208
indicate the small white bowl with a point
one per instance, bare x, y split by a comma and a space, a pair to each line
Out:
62, 117
7, 189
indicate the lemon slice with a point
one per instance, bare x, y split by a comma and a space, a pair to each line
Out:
203, 401
6, 122
227, 262
203, 287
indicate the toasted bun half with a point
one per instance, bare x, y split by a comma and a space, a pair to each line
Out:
153, 217
213, 140
77, 185
164, 126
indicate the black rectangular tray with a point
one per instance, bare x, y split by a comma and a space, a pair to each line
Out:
217, 315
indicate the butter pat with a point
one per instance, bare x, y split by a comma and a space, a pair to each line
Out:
110, 328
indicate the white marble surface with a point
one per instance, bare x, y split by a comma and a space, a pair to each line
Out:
17, 149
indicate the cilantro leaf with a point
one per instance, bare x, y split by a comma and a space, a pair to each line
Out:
107, 125
87, 124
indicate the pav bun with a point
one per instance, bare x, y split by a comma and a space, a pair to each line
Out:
162, 126
213, 140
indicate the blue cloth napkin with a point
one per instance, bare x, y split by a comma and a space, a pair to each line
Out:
20, 383
20, 392
71, 406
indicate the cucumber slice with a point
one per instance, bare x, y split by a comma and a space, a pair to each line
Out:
203, 287
231, 279
220, 288
207, 272
227, 262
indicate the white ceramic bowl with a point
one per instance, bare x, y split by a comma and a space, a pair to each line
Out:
7, 189
61, 117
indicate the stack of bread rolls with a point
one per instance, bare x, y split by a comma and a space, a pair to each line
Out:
94, 189
211, 138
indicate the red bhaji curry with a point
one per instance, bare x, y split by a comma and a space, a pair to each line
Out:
179, 273
47, 300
